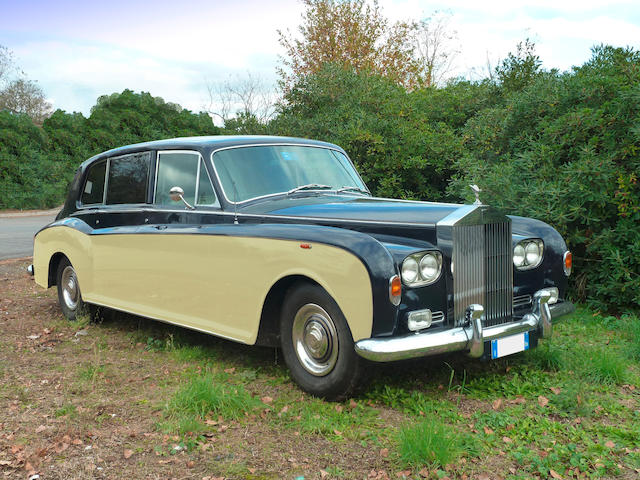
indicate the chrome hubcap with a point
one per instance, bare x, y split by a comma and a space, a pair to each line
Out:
315, 339
70, 291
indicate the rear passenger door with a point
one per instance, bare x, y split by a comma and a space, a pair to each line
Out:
115, 221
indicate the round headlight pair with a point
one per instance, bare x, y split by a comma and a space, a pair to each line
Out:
421, 268
527, 254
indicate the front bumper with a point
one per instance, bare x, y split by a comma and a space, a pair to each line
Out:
470, 338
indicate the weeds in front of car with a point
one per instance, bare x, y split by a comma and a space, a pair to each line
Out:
432, 443
208, 395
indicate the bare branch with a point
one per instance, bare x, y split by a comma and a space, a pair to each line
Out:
247, 95
436, 48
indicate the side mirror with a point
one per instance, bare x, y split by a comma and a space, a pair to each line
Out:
177, 193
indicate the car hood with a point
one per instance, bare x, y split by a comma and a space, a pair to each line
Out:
335, 207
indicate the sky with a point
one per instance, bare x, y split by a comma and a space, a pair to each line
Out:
78, 50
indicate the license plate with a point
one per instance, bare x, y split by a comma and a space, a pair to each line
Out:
502, 347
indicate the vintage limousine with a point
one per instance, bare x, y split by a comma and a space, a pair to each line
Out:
277, 241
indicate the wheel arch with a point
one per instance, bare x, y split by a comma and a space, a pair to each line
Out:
269, 330
54, 261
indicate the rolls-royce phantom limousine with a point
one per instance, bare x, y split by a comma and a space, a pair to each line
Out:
278, 241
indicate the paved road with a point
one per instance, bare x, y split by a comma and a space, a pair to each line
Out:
17, 231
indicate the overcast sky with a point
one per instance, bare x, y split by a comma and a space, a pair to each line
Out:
79, 50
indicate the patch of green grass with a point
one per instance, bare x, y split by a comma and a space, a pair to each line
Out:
195, 353
90, 372
631, 330
572, 400
547, 356
432, 443
67, 410
335, 471
414, 402
319, 417
603, 366
206, 395
520, 380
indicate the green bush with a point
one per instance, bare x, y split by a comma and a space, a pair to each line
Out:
37, 164
565, 149
397, 149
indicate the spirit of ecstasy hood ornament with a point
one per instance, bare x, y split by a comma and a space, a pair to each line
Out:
476, 190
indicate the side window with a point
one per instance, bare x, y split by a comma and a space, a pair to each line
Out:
93, 191
187, 171
128, 178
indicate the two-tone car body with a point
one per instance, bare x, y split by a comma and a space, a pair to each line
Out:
277, 241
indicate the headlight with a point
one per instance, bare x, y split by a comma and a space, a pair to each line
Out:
409, 270
528, 254
421, 268
519, 255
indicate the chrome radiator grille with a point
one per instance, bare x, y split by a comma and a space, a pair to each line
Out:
483, 271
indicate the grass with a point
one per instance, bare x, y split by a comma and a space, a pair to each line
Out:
432, 443
571, 406
206, 396
67, 410
603, 366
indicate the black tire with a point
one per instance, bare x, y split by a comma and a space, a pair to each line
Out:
69, 296
317, 344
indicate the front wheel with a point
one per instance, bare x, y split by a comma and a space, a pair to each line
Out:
317, 344
69, 296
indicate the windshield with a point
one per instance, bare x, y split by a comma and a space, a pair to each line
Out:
251, 172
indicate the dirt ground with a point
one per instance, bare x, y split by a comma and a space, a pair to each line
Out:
59, 419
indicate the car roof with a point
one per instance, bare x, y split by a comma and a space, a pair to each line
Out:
212, 142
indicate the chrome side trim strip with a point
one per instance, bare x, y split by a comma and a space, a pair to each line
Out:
150, 208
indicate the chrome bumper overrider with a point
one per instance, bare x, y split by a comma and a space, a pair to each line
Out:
469, 338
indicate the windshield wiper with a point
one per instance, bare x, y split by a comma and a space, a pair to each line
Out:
352, 189
309, 186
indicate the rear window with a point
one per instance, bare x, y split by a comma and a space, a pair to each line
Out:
128, 180
93, 191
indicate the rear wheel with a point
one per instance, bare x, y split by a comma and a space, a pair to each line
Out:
69, 295
317, 344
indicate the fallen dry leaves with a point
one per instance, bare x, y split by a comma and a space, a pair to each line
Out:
555, 474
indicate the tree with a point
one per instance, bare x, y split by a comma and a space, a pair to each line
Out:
17, 93
7, 64
397, 149
520, 69
241, 98
25, 96
352, 34
436, 48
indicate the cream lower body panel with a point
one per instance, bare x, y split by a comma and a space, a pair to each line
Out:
211, 283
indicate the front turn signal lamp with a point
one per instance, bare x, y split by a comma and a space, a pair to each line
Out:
567, 262
395, 290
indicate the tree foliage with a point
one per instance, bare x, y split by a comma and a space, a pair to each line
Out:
352, 34
37, 163
17, 93
566, 149
397, 149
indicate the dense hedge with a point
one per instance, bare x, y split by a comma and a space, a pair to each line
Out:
561, 147
36, 164
566, 149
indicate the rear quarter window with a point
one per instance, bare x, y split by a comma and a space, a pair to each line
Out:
93, 191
